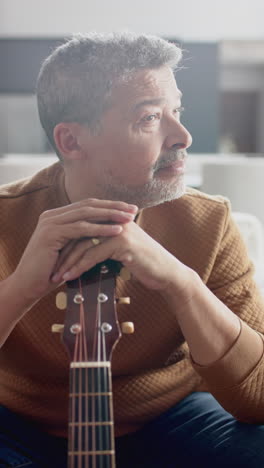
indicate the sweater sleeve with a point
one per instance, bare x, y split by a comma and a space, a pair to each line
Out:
237, 379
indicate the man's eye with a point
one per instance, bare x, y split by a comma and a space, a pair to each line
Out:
179, 110
150, 118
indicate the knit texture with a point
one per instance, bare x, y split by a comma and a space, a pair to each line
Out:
152, 369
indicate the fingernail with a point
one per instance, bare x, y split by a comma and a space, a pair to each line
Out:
66, 275
116, 228
55, 278
129, 215
133, 207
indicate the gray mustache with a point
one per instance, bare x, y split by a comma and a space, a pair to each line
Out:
170, 158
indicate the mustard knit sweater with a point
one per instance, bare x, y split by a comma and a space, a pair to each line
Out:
152, 369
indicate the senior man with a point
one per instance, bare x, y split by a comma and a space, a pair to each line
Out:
188, 384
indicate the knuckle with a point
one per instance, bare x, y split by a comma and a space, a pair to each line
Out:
125, 236
91, 200
44, 229
127, 241
83, 204
124, 205
105, 229
83, 225
120, 206
79, 267
84, 211
110, 212
102, 231
46, 232
126, 256
45, 214
80, 247
87, 211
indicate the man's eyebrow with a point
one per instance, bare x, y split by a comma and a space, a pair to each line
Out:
153, 102
147, 102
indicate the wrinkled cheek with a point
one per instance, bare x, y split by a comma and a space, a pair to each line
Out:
134, 164
143, 163
141, 172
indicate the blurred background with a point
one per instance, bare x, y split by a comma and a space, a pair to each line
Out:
222, 83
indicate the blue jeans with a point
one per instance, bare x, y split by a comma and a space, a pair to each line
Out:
196, 433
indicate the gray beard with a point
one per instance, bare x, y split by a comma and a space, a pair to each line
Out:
153, 193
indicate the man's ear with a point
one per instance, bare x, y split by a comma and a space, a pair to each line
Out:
66, 136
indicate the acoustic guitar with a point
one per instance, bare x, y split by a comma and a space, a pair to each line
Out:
90, 332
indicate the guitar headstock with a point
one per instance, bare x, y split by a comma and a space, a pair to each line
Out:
91, 328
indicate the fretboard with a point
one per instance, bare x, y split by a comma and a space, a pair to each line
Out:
91, 430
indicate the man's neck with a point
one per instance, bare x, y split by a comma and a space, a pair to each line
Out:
77, 190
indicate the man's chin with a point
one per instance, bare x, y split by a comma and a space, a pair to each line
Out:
164, 196
151, 194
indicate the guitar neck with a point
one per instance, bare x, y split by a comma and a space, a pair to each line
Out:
91, 428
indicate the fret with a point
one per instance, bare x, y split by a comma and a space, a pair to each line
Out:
85, 364
95, 408
91, 436
92, 423
90, 394
92, 452
91, 460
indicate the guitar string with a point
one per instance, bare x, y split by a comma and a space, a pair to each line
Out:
96, 355
92, 389
83, 388
80, 388
83, 357
73, 405
81, 354
99, 380
87, 436
106, 406
100, 389
101, 399
106, 402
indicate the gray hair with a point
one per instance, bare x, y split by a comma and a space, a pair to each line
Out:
75, 81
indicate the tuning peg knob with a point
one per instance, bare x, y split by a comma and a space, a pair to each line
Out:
61, 300
125, 274
127, 328
123, 300
57, 328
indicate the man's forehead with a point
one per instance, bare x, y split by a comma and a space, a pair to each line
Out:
153, 102
148, 87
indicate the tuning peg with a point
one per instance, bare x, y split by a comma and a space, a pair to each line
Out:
57, 328
123, 300
125, 274
127, 328
61, 300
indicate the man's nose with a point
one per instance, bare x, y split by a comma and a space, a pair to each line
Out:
178, 136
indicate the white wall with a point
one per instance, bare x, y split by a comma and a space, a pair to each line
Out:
20, 130
242, 78
187, 19
260, 129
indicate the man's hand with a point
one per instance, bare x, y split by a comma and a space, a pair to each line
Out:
53, 235
146, 259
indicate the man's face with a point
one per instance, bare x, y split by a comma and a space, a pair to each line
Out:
140, 135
